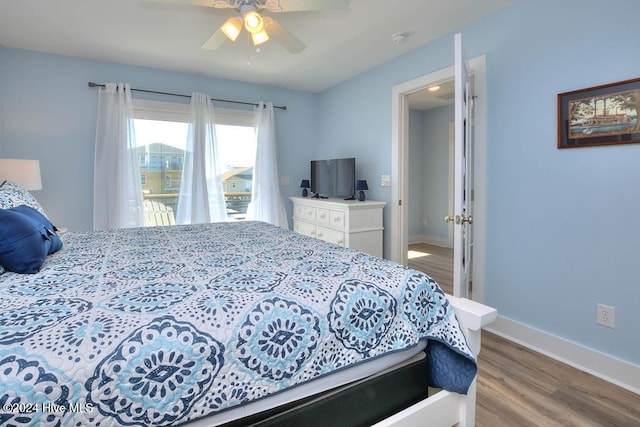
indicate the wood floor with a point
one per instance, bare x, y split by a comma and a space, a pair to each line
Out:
520, 387
436, 261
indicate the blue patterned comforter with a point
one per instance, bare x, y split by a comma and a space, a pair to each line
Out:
158, 326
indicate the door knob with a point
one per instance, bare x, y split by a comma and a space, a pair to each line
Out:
458, 219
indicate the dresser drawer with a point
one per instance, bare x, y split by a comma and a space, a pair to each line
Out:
329, 235
330, 218
307, 213
336, 219
323, 216
308, 229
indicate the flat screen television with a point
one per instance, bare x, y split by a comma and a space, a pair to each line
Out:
333, 178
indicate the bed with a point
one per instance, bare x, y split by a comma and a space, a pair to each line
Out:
224, 323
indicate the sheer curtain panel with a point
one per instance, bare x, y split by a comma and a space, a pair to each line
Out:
266, 203
117, 192
201, 192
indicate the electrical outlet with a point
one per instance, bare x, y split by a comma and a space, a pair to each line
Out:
606, 316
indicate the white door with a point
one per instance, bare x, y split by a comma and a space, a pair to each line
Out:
462, 218
475, 131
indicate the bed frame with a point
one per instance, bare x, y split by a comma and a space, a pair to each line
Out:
446, 408
440, 408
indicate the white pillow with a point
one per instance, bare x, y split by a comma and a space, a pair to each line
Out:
12, 195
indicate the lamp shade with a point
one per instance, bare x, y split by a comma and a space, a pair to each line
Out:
232, 27
259, 37
25, 173
361, 184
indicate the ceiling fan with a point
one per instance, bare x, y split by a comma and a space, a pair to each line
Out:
249, 14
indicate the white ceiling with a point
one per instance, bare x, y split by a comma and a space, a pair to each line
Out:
339, 43
425, 99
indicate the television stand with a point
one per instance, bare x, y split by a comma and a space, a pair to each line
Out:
353, 224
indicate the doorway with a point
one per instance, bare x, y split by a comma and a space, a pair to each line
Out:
401, 167
431, 179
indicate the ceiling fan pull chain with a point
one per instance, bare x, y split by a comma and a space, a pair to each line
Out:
249, 48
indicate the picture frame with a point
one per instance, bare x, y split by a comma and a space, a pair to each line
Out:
599, 115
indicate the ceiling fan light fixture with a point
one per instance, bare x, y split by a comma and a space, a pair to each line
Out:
259, 37
232, 27
253, 22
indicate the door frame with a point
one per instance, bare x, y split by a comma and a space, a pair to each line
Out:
450, 177
400, 165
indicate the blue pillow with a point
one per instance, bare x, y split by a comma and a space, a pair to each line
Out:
42, 222
26, 238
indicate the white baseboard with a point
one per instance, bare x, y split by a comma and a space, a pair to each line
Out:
609, 368
431, 240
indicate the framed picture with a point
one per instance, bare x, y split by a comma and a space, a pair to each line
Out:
600, 115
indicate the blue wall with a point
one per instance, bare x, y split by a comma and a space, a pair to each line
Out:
555, 246
416, 175
557, 238
429, 174
49, 113
436, 175
561, 234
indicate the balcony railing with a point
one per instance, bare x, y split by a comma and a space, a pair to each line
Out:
236, 202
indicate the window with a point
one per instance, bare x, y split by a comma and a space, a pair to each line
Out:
161, 133
169, 183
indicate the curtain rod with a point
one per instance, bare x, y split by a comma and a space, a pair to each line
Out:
93, 84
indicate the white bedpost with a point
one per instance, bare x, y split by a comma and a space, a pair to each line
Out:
468, 407
472, 317
447, 408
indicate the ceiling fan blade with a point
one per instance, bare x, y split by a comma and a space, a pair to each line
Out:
284, 37
215, 41
304, 5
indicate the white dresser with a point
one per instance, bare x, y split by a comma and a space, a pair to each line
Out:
349, 223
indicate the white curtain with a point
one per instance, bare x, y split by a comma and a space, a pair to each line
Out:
266, 204
117, 192
201, 192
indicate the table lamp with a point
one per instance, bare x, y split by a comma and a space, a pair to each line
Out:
361, 185
304, 185
25, 173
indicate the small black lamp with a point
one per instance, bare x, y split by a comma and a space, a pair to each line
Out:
304, 185
361, 185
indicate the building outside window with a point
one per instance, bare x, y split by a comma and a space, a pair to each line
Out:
161, 134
